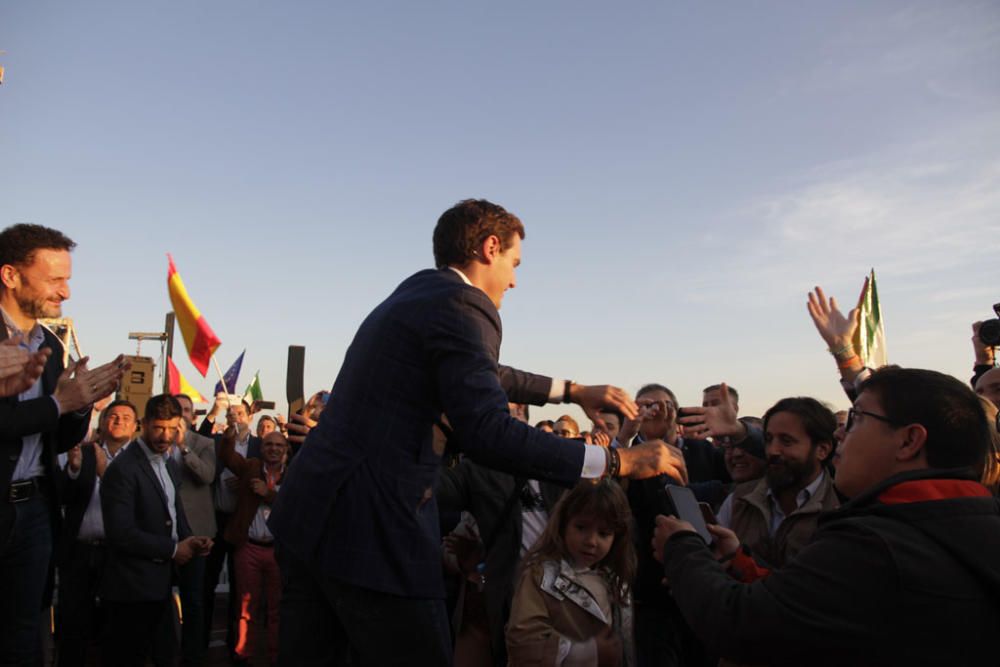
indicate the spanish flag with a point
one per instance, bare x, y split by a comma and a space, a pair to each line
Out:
199, 339
178, 384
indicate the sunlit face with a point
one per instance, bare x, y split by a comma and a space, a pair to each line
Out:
792, 459
265, 426
187, 408
238, 415
161, 434
714, 397
274, 448
500, 276
988, 386
565, 429
611, 423
39, 288
741, 465
119, 423
588, 540
868, 453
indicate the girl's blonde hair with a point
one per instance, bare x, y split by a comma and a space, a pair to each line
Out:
605, 502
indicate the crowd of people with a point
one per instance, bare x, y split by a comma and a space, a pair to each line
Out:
863, 536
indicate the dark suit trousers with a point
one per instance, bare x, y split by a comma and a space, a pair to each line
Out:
79, 618
323, 619
24, 567
222, 552
132, 627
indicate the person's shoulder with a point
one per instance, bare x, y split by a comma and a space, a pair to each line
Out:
197, 441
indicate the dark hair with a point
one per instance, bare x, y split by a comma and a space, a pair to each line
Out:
546, 422
652, 386
19, 243
615, 412
817, 420
184, 397
605, 501
462, 228
716, 387
119, 403
162, 406
957, 433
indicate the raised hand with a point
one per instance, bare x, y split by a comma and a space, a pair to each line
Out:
596, 396
79, 387
19, 369
298, 428
835, 329
652, 458
715, 420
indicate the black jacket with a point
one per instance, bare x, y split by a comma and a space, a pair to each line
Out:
38, 415
906, 574
138, 528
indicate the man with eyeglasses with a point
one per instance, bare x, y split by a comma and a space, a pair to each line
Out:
906, 572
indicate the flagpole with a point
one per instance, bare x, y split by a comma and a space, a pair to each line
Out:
222, 378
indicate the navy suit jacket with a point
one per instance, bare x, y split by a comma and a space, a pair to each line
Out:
138, 528
38, 415
358, 501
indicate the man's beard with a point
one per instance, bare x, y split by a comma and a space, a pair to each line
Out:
38, 308
790, 474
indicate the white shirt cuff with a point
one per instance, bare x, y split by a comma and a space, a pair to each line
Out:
71, 474
557, 390
595, 462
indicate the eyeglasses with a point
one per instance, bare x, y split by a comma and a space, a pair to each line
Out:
853, 412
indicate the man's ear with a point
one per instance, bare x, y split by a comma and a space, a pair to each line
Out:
823, 450
490, 248
9, 276
912, 446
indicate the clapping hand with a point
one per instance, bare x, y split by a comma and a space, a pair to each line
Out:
19, 369
836, 329
79, 387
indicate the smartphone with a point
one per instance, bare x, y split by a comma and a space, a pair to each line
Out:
295, 379
686, 509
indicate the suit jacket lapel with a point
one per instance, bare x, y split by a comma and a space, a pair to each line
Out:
147, 468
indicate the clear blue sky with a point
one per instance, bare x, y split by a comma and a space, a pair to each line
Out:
686, 173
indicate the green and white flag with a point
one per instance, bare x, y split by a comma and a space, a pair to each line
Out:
870, 337
253, 392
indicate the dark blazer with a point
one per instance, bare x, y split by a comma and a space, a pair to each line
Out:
487, 495
237, 531
38, 415
75, 495
138, 528
357, 502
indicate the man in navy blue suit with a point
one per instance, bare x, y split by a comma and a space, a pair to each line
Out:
356, 520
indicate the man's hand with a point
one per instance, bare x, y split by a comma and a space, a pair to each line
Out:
298, 428
74, 459
79, 387
652, 458
594, 397
19, 369
667, 527
984, 353
101, 459
726, 543
715, 420
221, 404
259, 487
203, 545
467, 550
186, 550
836, 330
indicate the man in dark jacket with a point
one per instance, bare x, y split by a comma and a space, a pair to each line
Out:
36, 424
906, 573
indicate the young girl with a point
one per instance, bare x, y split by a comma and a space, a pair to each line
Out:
571, 607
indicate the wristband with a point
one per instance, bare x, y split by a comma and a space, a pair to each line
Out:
841, 351
566, 387
614, 463
846, 363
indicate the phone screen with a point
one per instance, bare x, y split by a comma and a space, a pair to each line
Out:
686, 507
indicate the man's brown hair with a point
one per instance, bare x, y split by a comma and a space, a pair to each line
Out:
462, 229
